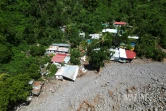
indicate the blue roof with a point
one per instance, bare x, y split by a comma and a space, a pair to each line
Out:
132, 43
89, 41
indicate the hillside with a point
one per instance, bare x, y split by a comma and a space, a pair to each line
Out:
28, 28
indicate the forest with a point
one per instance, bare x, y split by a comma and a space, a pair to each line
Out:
28, 27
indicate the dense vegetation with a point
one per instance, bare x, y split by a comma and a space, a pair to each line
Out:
28, 27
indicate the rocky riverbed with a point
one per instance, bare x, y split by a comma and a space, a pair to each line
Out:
136, 86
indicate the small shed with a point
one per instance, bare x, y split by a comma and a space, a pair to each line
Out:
36, 87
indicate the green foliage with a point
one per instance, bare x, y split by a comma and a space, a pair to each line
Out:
52, 69
37, 50
74, 61
163, 42
6, 54
97, 57
128, 47
23, 24
44, 60
146, 47
33, 71
75, 54
14, 90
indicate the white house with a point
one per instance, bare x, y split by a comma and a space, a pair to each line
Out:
95, 36
58, 48
113, 31
82, 34
134, 37
122, 55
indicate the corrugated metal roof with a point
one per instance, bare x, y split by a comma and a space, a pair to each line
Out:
67, 59
53, 48
119, 23
122, 53
70, 72
60, 71
63, 49
110, 30
61, 45
130, 54
58, 58
116, 53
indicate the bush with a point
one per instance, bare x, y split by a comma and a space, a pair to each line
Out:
53, 69
163, 43
75, 61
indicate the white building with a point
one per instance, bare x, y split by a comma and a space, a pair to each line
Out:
122, 55
82, 34
133, 37
68, 71
58, 48
95, 36
113, 31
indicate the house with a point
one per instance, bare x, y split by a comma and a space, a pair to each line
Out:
82, 34
122, 55
119, 24
69, 71
52, 49
126, 55
113, 31
58, 59
36, 87
95, 36
62, 50
58, 48
133, 37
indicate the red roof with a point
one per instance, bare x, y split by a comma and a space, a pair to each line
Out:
130, 54
119, 23
58, 58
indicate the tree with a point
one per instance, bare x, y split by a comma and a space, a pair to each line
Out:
53, 69
6, 54
33, 71
14, 90
75, 54
37, 50
97, 57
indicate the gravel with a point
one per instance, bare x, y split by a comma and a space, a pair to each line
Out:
119, 87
